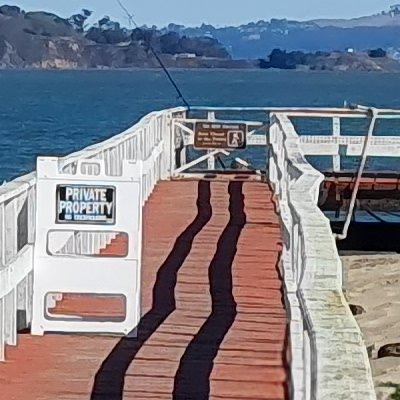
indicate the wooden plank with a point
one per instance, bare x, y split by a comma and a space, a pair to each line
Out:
213, 325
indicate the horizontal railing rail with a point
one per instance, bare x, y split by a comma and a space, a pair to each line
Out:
148, 142
330, 359
17, 233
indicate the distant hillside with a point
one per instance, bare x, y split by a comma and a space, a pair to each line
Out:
376, 21
373, 60
256, 39
44, 40
385, 18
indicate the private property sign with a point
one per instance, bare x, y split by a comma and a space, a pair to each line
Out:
85, 204
216, 135
80, 212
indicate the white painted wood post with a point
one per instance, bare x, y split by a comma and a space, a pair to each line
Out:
2, 330
22, 294
10, 237
31, 215
336, 133
2, 235
211, 160
170, 146
308, 375
29, 298
11, 318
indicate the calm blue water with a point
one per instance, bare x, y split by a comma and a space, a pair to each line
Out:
55, 113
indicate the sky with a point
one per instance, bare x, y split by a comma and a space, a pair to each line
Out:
215, 12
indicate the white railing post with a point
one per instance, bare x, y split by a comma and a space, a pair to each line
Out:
17, 227
307, 376
11, 320
168, 158
23, 299
2, 329
314, 264
336, 133
17, 234
211, 159
10, 231
311, 281
2, 235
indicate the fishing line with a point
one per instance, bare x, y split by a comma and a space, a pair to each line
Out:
164, 68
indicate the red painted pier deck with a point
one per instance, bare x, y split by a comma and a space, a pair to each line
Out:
213, 321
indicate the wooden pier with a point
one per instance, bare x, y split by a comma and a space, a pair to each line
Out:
213, 326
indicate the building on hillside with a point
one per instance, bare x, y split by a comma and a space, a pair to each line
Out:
395, 10
394, 53
184, 55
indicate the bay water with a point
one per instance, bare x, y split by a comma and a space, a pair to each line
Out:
58, 112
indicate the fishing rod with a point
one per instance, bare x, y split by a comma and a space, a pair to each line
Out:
164, 68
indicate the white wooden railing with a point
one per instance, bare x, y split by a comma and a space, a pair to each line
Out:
329, 358
17, 229
149, 141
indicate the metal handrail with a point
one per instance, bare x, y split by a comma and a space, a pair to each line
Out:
371, 129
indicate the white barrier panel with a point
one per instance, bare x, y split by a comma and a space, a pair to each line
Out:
87, 251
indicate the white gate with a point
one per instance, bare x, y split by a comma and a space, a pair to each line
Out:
87, 255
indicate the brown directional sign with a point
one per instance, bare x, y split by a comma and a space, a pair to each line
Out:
216, 135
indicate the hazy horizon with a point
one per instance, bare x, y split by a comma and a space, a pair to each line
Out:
206, 11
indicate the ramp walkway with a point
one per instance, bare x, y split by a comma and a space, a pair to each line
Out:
213, 326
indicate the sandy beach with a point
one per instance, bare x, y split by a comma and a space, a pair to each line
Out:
373, 282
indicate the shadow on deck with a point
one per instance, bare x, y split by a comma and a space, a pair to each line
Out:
214, 323
192, 377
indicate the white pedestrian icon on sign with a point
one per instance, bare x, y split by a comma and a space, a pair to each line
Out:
235, 139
